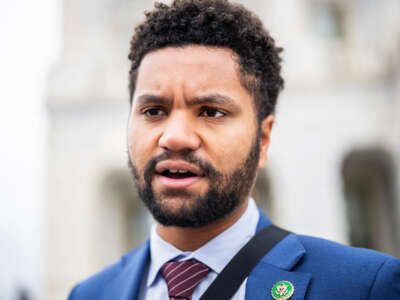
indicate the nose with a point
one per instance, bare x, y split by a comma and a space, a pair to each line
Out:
179, 134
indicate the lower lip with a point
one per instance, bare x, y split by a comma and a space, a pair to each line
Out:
175, 183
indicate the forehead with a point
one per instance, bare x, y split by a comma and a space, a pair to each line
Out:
191, 55
193, 69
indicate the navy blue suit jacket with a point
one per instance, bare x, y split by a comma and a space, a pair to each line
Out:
319, 269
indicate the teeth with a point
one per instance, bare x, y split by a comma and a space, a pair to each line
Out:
177, 171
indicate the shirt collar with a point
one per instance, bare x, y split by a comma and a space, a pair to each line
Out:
216, 253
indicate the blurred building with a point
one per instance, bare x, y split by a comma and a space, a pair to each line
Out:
335, 153
28, 48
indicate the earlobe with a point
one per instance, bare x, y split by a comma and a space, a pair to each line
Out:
266, 128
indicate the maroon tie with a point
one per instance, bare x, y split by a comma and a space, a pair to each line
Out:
183, 277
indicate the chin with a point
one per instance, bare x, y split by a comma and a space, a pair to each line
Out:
176, 204
190, 210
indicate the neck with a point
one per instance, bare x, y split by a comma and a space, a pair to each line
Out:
191, 239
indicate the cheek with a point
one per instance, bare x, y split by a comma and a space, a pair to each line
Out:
230, 147
138, 147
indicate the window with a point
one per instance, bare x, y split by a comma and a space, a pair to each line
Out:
368, 177
123, 222
328, 19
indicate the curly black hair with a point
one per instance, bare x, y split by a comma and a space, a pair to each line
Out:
217, 23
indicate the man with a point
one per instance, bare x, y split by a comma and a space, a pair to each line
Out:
204, 81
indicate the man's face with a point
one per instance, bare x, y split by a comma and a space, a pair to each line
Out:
192, 136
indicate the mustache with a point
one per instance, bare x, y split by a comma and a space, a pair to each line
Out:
189, 157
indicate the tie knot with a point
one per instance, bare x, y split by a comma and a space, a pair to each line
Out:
183, 277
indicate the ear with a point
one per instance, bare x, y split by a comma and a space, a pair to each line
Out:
266, 128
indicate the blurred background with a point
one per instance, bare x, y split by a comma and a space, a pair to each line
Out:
68, 206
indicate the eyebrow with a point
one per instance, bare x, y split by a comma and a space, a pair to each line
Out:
151, 99
215, 98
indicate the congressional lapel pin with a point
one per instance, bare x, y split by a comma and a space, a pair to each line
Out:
282, 290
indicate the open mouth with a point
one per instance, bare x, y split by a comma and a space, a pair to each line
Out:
178, 174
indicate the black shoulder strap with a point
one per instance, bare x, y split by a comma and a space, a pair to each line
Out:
241, 265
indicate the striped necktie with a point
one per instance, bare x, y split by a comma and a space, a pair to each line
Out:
183, 277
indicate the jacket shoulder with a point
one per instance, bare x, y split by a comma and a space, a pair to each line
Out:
321, 248
338, 267
94, 287
89, 288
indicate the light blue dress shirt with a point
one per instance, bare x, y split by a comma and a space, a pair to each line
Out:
216, 254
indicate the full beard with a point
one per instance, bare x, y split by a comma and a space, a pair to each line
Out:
226, 192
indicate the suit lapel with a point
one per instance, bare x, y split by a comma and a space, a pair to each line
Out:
126, 285
278, 265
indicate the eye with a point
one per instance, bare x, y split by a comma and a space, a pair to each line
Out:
153, 112
211, 112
